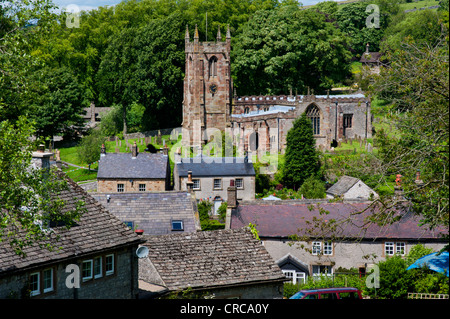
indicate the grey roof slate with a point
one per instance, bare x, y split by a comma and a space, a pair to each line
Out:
153, 211
207, 260
209, 166
123, 165
342, 185
97, 230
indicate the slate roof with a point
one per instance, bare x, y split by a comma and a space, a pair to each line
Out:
206, 260
342, 186
281, 219
209, 167
154, 211
122, 165
96, 231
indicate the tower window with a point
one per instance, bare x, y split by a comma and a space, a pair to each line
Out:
213, 67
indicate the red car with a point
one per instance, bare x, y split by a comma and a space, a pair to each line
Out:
328, 293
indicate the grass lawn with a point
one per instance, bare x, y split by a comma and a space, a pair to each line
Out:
419, 4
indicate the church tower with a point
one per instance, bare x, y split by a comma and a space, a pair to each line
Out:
207, 86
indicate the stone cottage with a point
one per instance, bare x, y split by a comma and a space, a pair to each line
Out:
210, 177
222, 263
348, 187
317, 252
135, 172
97, 254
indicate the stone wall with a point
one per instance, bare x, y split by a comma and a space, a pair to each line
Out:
110, 185
122, 284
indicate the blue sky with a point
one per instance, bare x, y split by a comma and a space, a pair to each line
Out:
91, 4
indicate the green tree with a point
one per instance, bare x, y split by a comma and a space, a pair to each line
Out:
28, 197
312, 188
416, 83
301, 157
288, 48
90, 147
395, 280
55, 103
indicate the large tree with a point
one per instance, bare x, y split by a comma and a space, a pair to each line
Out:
301, 157
288, 48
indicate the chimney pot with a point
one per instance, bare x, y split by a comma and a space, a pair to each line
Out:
103, 150
134, 150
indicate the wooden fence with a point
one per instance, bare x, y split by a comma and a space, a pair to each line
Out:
426, 296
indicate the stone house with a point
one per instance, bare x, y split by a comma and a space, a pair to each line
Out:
316, 252
156, 213
223, 263
211, 176
258, 122
133, 172
372, 60
99, 248
348, 187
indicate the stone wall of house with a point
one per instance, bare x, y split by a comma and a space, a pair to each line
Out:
207, 187
110, 185
122, 284
255, 291
346, 254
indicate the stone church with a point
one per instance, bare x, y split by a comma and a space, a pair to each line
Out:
258, 122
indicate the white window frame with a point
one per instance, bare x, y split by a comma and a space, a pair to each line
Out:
317, 274
316, 248
294, 276
50, 288
214, 183
196, 184
389, 246
180, 222
91, 269
38, 290
97, 261
241, 181
400, 248
111, 271
327, 248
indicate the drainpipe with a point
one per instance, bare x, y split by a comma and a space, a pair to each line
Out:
335, 121
367, 108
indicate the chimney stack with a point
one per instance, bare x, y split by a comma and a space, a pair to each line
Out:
190, 183
367, 48
103, 151
165, 150
134, 150
232, 195
177, 158
418, 181
40, 158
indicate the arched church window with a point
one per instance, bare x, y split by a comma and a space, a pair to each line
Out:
246, 110
213, 66
313, 113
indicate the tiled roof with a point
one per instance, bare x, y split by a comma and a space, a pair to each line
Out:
207, 260
97, 230
209, 166
122, 165
153, 211
286, 218
342, 185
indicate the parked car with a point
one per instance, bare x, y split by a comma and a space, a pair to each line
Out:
328, 293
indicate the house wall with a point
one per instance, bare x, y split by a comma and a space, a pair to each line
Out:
360, 190
345, 254
110, 185
255, 291
122, 284
207, 187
